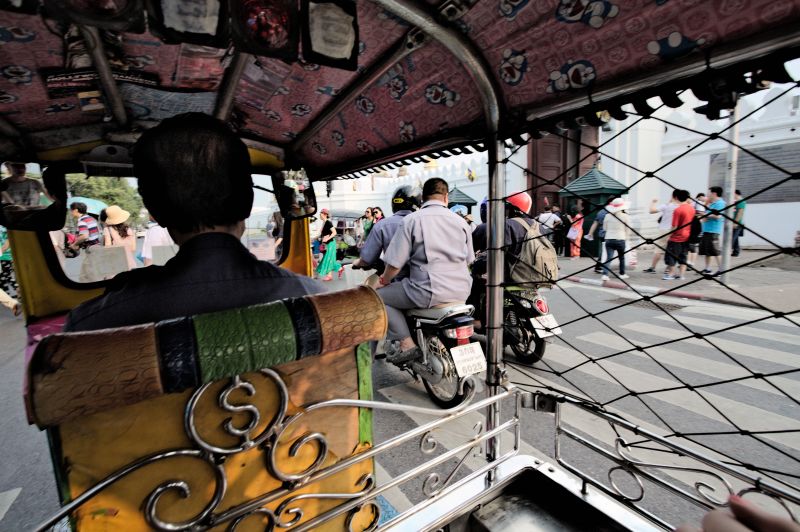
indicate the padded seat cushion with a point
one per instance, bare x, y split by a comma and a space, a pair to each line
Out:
440, 312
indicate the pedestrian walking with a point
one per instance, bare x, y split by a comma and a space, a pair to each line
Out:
327, 237
597, 226
367, 221
678, 243
616, 225
548, 222
575, 233
664, 228
696, 231
712, 229
560, 232
738, 218
117, 234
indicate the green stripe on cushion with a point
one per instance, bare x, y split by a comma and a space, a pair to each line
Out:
236, 341
364, 364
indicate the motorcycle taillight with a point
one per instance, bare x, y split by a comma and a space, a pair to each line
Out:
460, 333
541, 305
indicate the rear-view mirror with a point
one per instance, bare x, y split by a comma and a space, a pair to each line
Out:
295, 194
31, 203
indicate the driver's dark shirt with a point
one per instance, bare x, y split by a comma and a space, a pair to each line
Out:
211, 272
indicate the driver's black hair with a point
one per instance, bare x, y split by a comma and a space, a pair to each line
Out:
194, 172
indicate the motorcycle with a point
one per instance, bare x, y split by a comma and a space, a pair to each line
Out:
528, 325
446, 356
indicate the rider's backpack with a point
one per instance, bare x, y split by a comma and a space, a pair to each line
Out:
537, 261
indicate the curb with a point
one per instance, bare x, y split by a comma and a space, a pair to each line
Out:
654, 291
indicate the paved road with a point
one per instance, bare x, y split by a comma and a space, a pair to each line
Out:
27, 492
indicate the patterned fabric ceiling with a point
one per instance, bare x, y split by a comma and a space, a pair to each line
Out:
538, 51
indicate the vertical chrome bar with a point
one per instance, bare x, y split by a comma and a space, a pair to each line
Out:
729, 191
233, 74
472, 60
94, 43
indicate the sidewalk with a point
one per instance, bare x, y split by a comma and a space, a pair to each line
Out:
771, 282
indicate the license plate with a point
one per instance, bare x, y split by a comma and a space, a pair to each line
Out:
469, 359
542, 323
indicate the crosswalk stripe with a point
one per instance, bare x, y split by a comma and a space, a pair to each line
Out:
394, 496
7, 498
746, 330
744, 415
698, 364
739, 348
741, 313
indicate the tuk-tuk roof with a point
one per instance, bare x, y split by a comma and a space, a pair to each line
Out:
546, 57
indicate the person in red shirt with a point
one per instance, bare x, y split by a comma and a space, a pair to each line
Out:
678, 243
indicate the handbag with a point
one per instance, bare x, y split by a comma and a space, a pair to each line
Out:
572, 234
322, 247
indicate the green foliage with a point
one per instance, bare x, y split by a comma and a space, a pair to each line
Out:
111, 190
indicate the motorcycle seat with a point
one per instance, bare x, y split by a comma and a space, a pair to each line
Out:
440, 312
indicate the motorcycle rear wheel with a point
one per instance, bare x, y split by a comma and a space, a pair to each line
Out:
444, 393
526, 346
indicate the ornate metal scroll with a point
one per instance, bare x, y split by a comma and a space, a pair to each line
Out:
711, 481
246, 434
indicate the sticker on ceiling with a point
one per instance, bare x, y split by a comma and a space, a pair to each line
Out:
513, 67
572, 75
593, 13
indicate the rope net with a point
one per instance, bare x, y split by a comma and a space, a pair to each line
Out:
719, 380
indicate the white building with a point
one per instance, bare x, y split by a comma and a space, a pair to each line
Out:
674, 150
376, 191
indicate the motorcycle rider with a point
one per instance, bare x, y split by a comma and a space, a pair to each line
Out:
405, 200
517, 206
436, 244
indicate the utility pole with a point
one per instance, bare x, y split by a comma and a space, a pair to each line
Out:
729, 190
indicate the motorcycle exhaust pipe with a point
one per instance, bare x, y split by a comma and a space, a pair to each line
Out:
433, 372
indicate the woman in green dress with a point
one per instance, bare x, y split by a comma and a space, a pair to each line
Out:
327, 236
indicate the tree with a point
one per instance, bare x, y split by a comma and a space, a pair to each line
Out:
111, 190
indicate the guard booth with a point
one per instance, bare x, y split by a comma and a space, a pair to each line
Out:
590, 193
457, 197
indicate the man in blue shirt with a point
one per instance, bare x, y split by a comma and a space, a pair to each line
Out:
405, 200
712, 229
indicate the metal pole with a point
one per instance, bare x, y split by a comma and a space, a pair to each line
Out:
230, 83
729, 191
471, 59
95, 45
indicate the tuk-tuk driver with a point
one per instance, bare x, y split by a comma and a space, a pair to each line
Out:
437, 246
194, 178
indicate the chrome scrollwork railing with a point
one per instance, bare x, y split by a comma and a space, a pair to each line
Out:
281, 508
693, 475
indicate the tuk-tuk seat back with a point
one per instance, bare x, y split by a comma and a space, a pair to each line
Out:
77, 374
214, 402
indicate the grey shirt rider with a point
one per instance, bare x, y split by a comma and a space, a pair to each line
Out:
437, 245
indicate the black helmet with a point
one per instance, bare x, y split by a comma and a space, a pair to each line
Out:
406, 198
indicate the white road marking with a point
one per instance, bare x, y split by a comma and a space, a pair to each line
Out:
394, 496
745, 330
7, 498
597, 429
742, 414
757, 352
698, 364
730, 311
